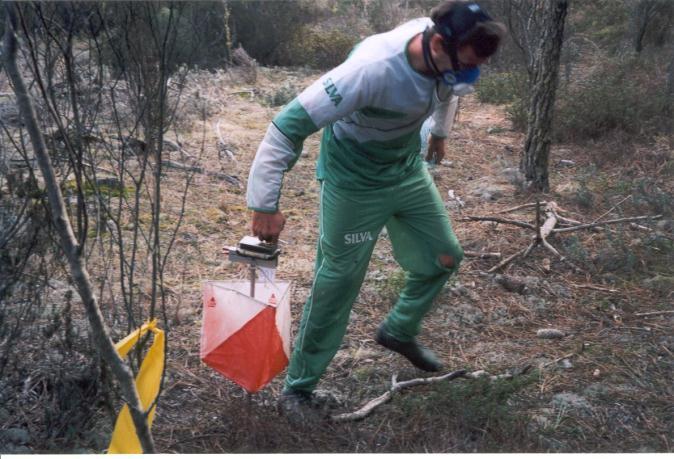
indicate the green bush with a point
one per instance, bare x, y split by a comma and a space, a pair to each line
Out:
502, 88
263, 28
317, 49
507, 88
281, 96
195, 34
459, 412
518, 113
648, 197
620, 95
384, 15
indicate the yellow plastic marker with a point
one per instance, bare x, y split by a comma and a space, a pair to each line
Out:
124, 438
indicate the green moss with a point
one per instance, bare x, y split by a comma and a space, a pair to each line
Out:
89, 189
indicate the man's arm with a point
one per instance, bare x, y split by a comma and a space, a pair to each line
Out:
279, 150
333, 96
445, 113
443, 120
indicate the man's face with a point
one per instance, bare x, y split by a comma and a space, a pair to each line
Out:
465, 55
467, 58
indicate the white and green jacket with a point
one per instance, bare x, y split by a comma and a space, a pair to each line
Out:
372, 107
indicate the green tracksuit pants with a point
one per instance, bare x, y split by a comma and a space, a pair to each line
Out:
350, 221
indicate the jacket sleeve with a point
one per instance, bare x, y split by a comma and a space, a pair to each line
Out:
443, 117
333, 96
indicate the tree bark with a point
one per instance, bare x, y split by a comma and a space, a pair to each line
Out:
669, 109
642, 13
534, 163
69, 243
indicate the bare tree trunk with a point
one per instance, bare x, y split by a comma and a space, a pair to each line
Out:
642, 13
70, 245
669, 109
534, 163
523, 18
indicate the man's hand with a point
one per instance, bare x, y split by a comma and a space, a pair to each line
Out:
267, 227
436, 149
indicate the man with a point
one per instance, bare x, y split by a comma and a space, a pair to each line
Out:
372, 108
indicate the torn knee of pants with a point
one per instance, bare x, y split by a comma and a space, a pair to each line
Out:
447, 261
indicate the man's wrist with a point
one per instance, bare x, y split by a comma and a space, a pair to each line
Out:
263, 210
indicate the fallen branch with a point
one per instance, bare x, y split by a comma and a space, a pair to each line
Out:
611, 209
636, 226
249, 92
654, 313
222, 145
175, 146
523, 206
547, 227
607, 222
482, 254
594, 287
568, 221
567, 356
201, 170
512, 257
504, 221
396, 386
543, 230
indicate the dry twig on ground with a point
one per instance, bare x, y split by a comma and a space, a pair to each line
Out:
397, 386
553, 217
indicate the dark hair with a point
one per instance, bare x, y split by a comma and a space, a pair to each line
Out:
484, 37
464, 23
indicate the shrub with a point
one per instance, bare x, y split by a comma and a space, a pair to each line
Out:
507, 88
319, 49
502, 88
199, 30
460, 413
263, 28
647, 196
281, 96
620, 95
384, 15
518, 113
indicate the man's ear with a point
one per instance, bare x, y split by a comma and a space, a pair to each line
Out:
436, 44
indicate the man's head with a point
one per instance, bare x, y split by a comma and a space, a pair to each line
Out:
465, 35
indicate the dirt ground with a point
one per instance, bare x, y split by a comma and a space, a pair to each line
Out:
603, 385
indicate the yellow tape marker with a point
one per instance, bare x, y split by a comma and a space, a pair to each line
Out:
124, 438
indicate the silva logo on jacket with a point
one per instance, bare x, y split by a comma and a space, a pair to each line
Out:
357, 238
331, 90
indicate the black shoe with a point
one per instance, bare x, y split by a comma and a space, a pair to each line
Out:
299, 406
420, 356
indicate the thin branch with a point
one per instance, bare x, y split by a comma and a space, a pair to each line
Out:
523, 206
606, 222
201, 170
564, 357
70, 245
504, 221
654, 313
611, 209
512, 257
595, 287
370, 406
470, 254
